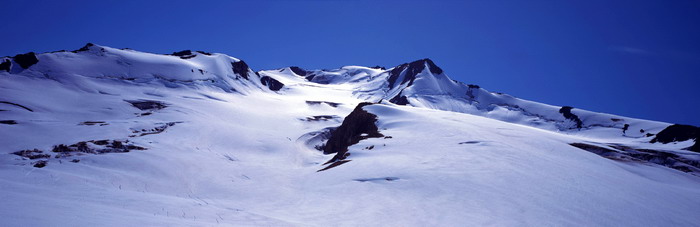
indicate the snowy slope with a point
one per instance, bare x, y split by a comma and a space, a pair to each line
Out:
221, 147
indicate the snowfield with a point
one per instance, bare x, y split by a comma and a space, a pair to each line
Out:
165, 144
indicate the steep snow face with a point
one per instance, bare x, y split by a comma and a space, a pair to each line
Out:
177, 150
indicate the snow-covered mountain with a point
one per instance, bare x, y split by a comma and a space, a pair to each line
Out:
117, 137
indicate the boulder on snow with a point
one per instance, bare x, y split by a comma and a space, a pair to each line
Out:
358, 125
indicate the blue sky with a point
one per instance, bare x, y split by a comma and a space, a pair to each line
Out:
632, 58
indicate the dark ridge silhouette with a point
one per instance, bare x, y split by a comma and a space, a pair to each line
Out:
677, 133
358, 125
204, 53
240, 68
298, 71
5, 65
84, 48
566, 111
26, 60
185, 54
182, 53
271, 83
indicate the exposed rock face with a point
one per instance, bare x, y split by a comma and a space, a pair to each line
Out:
271, 83
677, 133
332, 104
400, 100
566, 111
298, 71
185, 54
5, 65
358, 125
26, 60
240, 68
627, 154
411, 70
84, 48
147, 104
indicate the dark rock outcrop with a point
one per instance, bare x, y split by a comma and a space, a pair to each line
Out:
271, 83
358, 125
185, 54
204, 53
84, 48
26, 60
677, 133
32, 154
6, 65
400, 100
566, 111
411, 71
240, 68
147, 104
332, 104
298, 71
8, 122
629, 154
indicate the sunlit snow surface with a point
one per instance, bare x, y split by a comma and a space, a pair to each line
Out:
242, 158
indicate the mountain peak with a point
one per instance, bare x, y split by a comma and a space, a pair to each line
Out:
411, 70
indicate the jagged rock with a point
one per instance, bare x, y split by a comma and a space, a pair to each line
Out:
677, 133
204, 53
185, 54
400, 100
566, 111
26, 60
298, 71
84, 48
147, 104
240, 68
411, 71
625, 153
6, 65
332, 104
32, 154
358, 125
271, 83
40, 164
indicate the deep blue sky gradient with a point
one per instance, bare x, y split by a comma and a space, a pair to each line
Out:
632, 58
